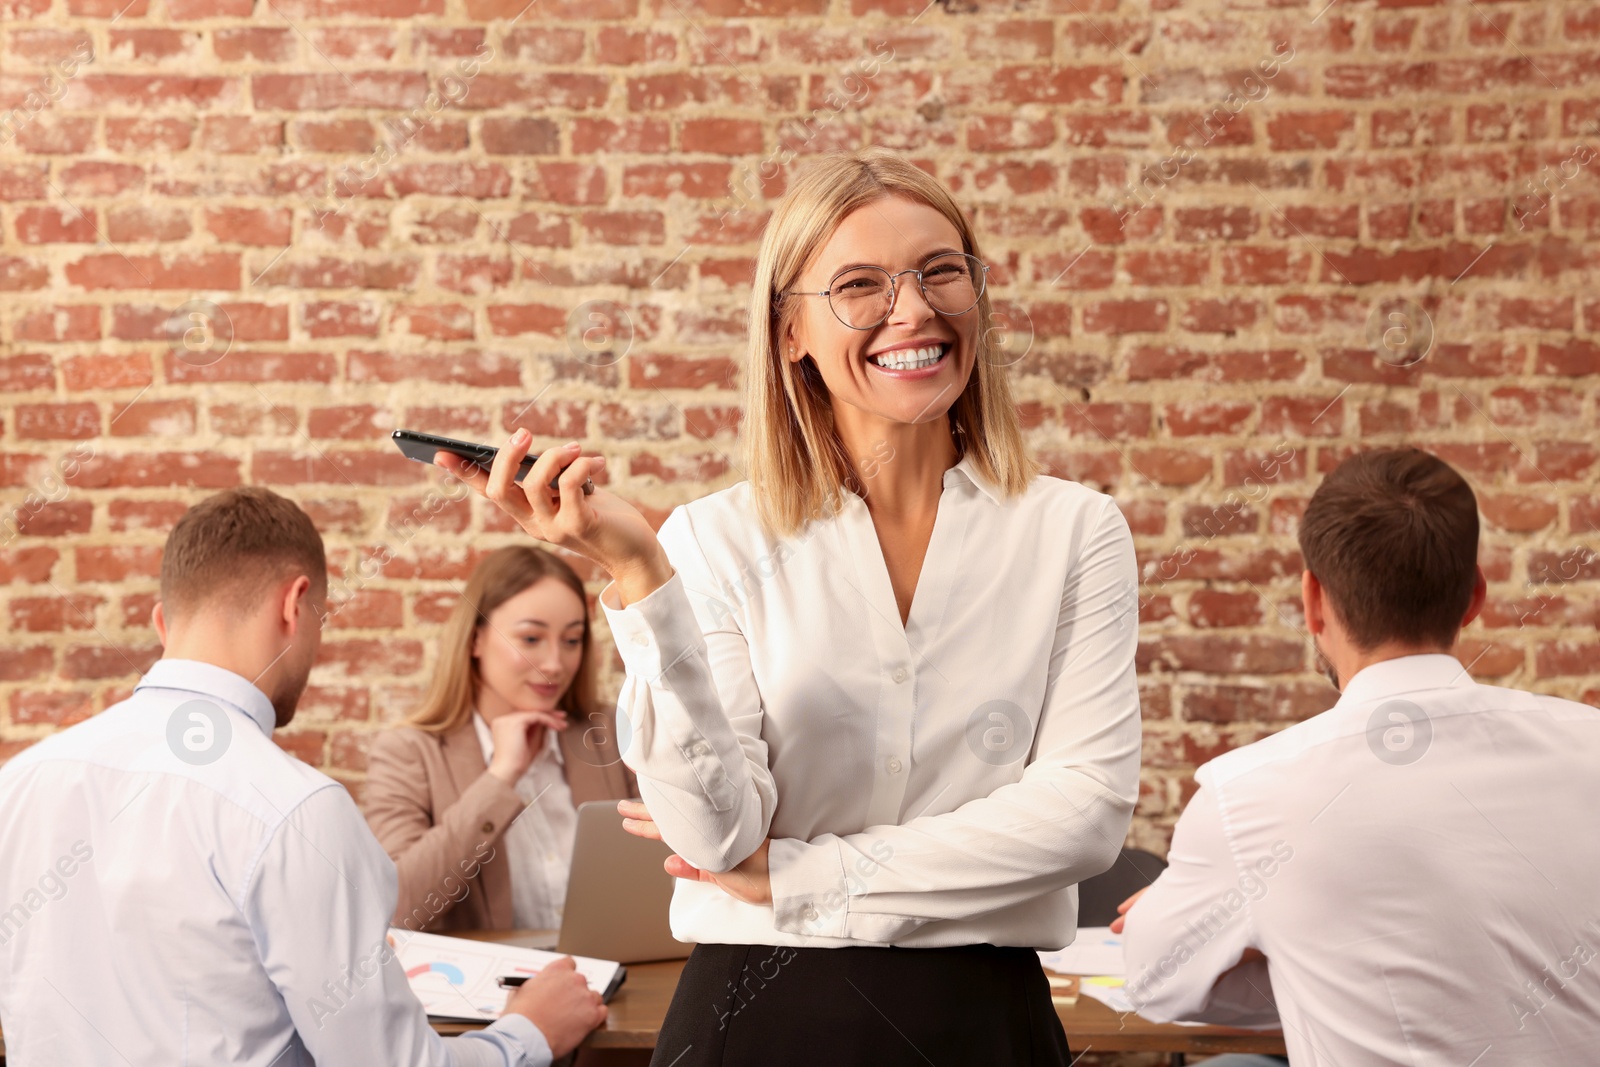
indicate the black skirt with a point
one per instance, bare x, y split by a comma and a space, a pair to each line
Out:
768, 1006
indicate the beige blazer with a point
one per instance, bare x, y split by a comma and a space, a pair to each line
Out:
439, 815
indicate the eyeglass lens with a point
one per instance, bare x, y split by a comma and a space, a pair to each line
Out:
951, 284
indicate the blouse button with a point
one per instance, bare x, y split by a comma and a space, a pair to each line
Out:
899, 674
641, 640
892, 765
810, 913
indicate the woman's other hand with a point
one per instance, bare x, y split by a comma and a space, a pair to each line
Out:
602, 527
1122, 911
749, 881
518, 739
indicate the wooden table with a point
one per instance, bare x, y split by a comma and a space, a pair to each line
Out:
639, 1007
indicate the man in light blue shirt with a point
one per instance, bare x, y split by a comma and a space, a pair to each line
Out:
178, 890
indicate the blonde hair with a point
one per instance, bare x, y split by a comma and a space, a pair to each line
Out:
505, 572
797, 465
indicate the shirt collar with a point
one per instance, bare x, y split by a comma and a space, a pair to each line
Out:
1405, 674
966, 469
210, 680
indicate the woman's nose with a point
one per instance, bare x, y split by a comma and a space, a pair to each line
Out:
909, 303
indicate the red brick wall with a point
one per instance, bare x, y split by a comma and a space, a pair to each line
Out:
1200, 217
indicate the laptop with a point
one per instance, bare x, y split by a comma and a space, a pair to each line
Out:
617, 894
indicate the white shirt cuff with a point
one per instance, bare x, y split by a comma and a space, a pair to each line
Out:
528, 1036
808, 887
653, 633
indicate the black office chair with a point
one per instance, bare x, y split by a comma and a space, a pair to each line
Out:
1098, 898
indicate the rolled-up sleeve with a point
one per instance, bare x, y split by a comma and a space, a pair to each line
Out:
1064, 820
694, 710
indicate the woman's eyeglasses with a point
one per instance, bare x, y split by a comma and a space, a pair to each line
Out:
862, 297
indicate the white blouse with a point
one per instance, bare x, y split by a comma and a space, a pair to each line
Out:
945, 782
538, 842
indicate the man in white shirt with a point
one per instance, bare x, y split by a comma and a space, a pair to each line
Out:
178, 890
1409, 877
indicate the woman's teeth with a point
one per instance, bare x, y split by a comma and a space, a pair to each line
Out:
910, 358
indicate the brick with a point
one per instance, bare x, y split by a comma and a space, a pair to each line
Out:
1207, 225
1222, 315
1171, 466
264, 44
56, 225
208, 271
18, 273
729, 137
396, 91
1207, 417
59, 322
1126, 316
1308, 131
268, 227
592, 135
442, 322
56, 136
520, 136
137, 135
145, 222
1208, 654
58, 421
1212, 608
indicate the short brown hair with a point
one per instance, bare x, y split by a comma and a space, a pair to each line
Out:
233, 546
1392, 536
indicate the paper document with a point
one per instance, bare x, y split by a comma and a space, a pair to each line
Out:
1111, 991
1096, 951
456, 978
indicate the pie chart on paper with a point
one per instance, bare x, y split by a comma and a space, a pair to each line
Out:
448, 971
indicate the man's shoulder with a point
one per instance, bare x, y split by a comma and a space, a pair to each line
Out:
228, 757
1362, 722
1558, 707
1292, 742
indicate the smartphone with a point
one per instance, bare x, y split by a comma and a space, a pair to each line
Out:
422, 447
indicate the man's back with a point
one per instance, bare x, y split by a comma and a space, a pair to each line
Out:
181, 891
1415, 864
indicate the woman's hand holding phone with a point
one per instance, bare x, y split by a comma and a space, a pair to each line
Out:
602, 527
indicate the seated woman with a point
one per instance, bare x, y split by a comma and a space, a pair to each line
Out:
475, 796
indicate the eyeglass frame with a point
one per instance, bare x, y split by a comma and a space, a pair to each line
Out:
894, 288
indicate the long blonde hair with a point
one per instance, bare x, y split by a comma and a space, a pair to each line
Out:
797, 465
505, 572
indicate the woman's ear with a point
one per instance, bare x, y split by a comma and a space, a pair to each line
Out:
790, 346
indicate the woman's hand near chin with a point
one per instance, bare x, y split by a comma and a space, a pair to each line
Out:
518, 740
602, 527
750, 881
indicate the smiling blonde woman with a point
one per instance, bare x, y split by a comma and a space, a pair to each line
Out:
882, 692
